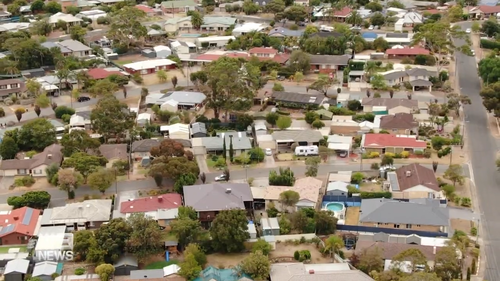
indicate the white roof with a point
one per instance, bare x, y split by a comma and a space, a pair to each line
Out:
77, 277
215, 38
144, 116
64, 17
337, 185
251, 228
367, 124
50, 238
171, 269
248, 27
98, 210
161, 48
148, 64
14, 26
77, 120
17, 265
167, 214
175, 128
46, 268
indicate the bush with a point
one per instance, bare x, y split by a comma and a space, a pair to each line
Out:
66, 118
272, 212
390, 154
296, 255
489, 44
375, 166
405, 154
79, 271
31, 153
24, 181
373, 154
2, 112
427, 153
62, 110
371, 195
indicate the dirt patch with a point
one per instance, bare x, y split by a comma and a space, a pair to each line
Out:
352, 216
226, 260
463, 225
287, 250
370, 187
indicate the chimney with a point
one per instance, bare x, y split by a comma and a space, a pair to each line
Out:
16, 218
311, 271
434, 250
408, 174
49, 156
228, 190
160, 199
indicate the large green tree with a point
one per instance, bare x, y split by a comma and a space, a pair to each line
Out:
146, 237
229, 231
69, 180
326, 223
33, 199
105, 271
113, 237
189, 268
111, 118
322, 84
36, 135
187, 230
84, 163
257, 265
489, 70
102, 179
173, 168
491, 98
126, 26
447, 264
83, 240
78, 141
8, 148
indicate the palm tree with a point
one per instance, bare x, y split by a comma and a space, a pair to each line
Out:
162, 75
11, 69
333, 244
354, 18
196, 20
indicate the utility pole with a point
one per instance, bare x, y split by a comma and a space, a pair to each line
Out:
116, 183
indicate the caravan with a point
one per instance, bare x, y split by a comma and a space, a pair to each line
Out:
306, 150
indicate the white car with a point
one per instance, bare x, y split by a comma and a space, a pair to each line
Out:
370, 27
468, 30
269, 152
220, 178
473, 52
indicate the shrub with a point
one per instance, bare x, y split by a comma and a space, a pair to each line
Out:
304, 255
272, 212
31, 153
296, 255
427, 153
405, 154
390, 154
375, 166
79, 271
24, 181
66, 118
2, 112
489, 44
371, 195
374, 154
62, 110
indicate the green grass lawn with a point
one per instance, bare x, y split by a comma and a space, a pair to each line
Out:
168, 236
5, 249
210, 163
160, 264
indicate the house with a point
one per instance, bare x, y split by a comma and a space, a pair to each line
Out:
270, 226
82, 215
45, 269
383, 143
125, 264
184, 99
92, 14
81, 120
399, 123
178, 6
387, 213
178, 24
4, 15
52, 239
344, 125
263, 52
181, 47
11, 86
146, 9
101, 73
34, 166
282, 32
14, 26
70, 47
176, 131
114, 152
214, 41
340, 143
217, 23
398, 39
149, 66
410, 19
209, 199
142, 148
308, 189
241, 143
412, 182
337, 15
328, 64
417, 77
484, 11
305, 99
16, 270
389, 106
247, 27
162, 52
198, 130
302, 137
68, 18
162, 208
337, 188
169, 272
316, 272
18, 226
406, 52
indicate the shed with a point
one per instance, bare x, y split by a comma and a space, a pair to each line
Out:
162, 52
176, 131
143, 119
125, 264
16, 270
170, 105
198, 130
270, 226
44, 270
252, 230
148, 53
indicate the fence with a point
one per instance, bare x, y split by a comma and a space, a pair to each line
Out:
359, 228
354, 201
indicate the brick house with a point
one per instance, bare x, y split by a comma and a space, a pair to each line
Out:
399, 123
328, 64
11, 86
406, 52
18, 226
383, 143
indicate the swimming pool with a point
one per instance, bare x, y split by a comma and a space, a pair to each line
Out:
336, 207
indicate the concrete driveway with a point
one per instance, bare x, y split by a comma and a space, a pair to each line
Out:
462, 213
6, 182
269, 162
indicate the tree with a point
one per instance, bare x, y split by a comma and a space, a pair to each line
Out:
262, 246
111, 118
19, 115
84, 163
162, 75
184, 180
312, 166
449, 191
197, 252
186, 229
354, 18
102, 179
490, 28
326, 223
295, 13
285, 177
257, 265
387, 161
322, 84
414, 256
168, 148
454, 173
374, 7
189, 268
231, 149
272, 118
447, 264
34, 87
229, 231
78, 33
299, 61
42, 101
126, 26
298, 77
105, 271
173, 168
289, 198
78, 141
419, 276
37, 6
187, 213
103, 88
380, 44
278, 87
333, 244
8, 148
196, 19
146, 237
69, 180
275, 6
301, 222
82, 242
112, 237
489, 70
33, 199
284, 122
310, 117
378, 82
377, 19
53, 7
491, 95
250, 8
37, 110
73, 10
370, 260
318, 124
456, 100
174, 81
36, 135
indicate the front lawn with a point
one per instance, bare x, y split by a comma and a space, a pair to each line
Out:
5, 249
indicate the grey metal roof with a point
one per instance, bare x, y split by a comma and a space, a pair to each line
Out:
75, 46
6, 229
198, 127
393, 180
17, 266
298, 136
146, 274
420, 83
126, 260
240, 141
418, 72
144, 145
45, 268
217, 196
395, 75
285, 32
89, 210
299, 98
327, 59
392, 211
27, 216
50, 45
396, 35
182, 97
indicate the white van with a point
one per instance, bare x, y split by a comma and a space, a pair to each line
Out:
306, 150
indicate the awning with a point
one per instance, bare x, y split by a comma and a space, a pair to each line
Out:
339, 146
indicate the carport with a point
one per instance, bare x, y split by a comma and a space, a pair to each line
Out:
337, 142
421, 83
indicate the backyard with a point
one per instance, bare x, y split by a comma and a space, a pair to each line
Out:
288, 249
352, 216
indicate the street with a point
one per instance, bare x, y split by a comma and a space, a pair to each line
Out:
482, 149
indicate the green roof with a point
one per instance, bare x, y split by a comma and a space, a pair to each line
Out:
325, 114
218, 20
177, 20
178, 4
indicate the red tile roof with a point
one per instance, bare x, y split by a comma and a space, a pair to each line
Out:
149, 204
432, 11
343, 13
145, 9
489, 9
279, 58
22, 220
387, 140
99, 73
262, 51
415, 174
413, 51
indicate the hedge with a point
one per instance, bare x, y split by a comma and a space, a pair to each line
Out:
371, 195
489, 44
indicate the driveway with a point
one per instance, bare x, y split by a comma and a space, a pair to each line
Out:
462, 213
269, 162
6, 182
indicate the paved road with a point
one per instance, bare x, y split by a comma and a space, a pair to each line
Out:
483, 148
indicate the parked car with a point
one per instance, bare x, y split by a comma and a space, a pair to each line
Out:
269, 152
468, 30
370, 27
220, 178
281, 78
473, 52
83, 99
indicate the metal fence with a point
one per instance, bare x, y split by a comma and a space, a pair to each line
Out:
360, 228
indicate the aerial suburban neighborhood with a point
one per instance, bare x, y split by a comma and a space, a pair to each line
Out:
280, 140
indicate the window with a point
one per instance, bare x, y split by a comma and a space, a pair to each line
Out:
408, 226
14, 86
396, 225
418, 225
3, 86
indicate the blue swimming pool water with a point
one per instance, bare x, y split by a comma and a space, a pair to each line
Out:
334, 207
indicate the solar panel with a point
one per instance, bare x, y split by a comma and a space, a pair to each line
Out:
7, 229
394, 182
27, 216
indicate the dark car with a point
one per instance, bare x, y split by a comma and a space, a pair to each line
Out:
83, 99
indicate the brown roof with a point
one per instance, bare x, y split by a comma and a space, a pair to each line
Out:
398, 121
114, 151
389, 250
390, 103
144, 145
51, 154
416, 174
